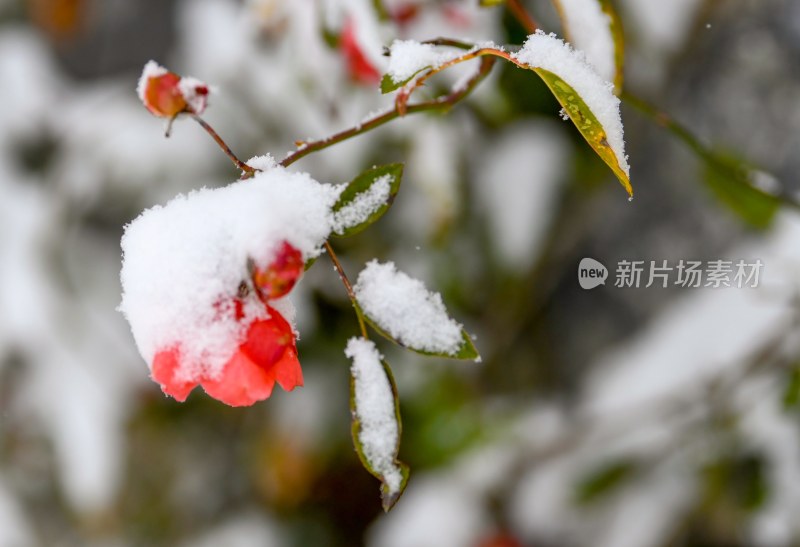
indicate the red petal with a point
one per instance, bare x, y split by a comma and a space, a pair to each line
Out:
268, 339
162, 96
270, 344
361, 70
267, 355
242, 382
287, 371
165, 364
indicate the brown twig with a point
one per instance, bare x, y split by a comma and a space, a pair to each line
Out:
348, 286
246, 169
440, 103
522, 16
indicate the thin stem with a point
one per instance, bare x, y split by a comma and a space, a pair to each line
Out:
522, 16
441, 103
225, 148
348, 286
419, 82
441, 41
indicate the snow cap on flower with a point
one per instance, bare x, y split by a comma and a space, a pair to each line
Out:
167, 94
203, 279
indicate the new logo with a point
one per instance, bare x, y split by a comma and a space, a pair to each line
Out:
591, 273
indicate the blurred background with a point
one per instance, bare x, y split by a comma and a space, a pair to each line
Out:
626, 417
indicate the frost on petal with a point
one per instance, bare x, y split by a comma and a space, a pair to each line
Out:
166, 94
407, 57
405, 309
195, 93
151, 70
547, 52
377, 432
241, 383
588, 28
166, 367
184, 264
364, 205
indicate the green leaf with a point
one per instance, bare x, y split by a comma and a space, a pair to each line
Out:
618, 35
585, 121
791, 393
357, 189
466, 352
388, 84
603, 481
491, 3
731, 181
738, 481
388, 498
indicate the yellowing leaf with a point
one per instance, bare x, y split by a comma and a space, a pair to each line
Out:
586, 122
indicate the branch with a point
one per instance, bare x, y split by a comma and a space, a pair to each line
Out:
246, 169
439, 104
348, 287
522, 16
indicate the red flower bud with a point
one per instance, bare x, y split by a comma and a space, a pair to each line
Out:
165, 94
280, 276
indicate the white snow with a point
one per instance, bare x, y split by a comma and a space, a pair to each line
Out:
547, 52
188, 87
437, 511
15, 527
403, 307
663, 25
262, 163
151, 70
183, 263
363, 205
700, 337
246, 528
407, 57
378, 432
588, 28
517, 185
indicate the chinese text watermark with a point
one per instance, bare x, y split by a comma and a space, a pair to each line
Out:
682, 273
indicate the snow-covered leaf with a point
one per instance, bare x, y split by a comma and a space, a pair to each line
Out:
401, 309
366, 198
586, 98
376, 426
407, 58
594, 27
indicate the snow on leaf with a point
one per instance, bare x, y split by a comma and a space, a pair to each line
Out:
407, 58
592, 26
366, 198
400, 308
585, 96
376, 418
